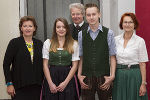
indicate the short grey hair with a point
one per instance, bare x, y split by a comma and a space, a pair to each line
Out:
77, 5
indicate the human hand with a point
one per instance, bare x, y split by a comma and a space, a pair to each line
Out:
11, 90
142, 90
62, 86
52, 87
108, 81
83, 85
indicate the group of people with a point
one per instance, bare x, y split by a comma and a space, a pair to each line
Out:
80, 59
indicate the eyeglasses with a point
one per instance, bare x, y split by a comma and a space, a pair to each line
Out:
128, 22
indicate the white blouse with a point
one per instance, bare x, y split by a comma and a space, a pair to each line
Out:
134, 52
46, 48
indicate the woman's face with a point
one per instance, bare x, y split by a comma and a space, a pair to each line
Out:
60, 29
128, 24
27, 28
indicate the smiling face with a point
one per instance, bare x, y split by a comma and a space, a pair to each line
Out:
27, 28
76, 15
60, 29
92, 16
128, 24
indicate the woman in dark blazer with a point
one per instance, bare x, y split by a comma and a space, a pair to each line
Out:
24, 53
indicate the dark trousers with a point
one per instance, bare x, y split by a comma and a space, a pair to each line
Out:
28, 93
94, 83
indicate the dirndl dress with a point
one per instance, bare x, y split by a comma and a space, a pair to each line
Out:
59, 62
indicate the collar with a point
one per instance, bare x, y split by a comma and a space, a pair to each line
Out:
99, 28
133, 35
79, 24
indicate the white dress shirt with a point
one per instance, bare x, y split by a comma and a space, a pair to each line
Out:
134, 53
46, 49
79, 24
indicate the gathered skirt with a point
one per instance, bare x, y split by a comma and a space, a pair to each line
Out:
58, 75
127, 84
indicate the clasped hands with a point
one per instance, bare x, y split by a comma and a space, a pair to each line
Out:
59, 88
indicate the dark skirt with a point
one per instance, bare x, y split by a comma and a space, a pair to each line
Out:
31, 92
58, 75
127, 84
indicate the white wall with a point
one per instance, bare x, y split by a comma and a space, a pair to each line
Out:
106, 12
112, 11
125, 6
9, 17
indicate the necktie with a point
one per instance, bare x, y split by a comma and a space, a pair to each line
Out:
78, 27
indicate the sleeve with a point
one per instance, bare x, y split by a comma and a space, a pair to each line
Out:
75, 55
143, 56
8, 60
45, 50
80, 43
111, 43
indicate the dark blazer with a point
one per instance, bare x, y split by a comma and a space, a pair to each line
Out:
23, 72
74, 31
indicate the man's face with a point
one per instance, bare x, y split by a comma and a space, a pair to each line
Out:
77, 16
92, 15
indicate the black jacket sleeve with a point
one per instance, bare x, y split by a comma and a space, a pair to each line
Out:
8, 59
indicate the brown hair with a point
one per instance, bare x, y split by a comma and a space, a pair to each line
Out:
90, 5
68, 45
133, 17
27, 18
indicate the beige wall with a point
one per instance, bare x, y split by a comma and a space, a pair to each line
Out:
9, 17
